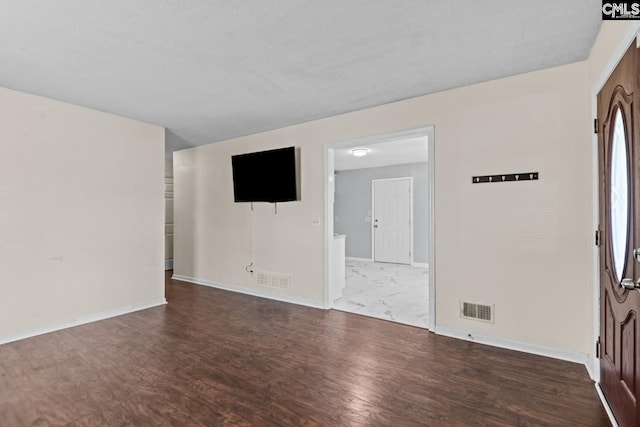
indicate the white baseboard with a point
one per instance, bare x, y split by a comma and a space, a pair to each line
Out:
82, 320
420, 264
569, 356
351, 258
607, 408
168, 264
249, 291
594, 374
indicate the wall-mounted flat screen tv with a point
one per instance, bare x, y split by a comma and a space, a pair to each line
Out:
265, 176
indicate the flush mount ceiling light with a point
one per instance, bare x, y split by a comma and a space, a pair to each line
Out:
360, 152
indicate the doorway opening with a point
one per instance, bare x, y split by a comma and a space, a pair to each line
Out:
380, 238
168, 214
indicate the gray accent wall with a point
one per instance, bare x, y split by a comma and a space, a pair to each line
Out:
352, 209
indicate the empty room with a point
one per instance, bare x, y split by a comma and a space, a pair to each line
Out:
213, 214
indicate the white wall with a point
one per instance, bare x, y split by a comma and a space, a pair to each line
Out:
525, 247
82, 214
216, 239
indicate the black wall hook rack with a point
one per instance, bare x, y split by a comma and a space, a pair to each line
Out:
524, 176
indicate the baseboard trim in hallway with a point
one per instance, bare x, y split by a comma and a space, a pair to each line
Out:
351, 258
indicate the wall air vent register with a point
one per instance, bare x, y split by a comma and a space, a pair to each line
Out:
470, 310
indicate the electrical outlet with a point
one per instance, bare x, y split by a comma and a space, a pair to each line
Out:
315, 222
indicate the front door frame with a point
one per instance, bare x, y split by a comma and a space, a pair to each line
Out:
429, 133
629, 37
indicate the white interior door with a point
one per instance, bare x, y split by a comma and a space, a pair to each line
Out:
392, 222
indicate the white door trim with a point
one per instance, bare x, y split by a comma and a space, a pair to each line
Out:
429, 133
373, 214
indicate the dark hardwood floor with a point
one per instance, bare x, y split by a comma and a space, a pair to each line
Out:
217, 358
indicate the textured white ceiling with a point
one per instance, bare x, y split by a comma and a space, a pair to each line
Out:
410, 150
212, 70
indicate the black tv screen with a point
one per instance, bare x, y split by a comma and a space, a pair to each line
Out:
265, 176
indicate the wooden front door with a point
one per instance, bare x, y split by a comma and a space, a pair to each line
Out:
619, 178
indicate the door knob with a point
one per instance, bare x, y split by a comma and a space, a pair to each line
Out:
636, 254
375, 226
629, 284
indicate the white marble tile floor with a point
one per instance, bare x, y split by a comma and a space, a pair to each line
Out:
393, 292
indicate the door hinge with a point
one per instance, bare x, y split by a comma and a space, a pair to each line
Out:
598, 348
597, 237
595, 126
